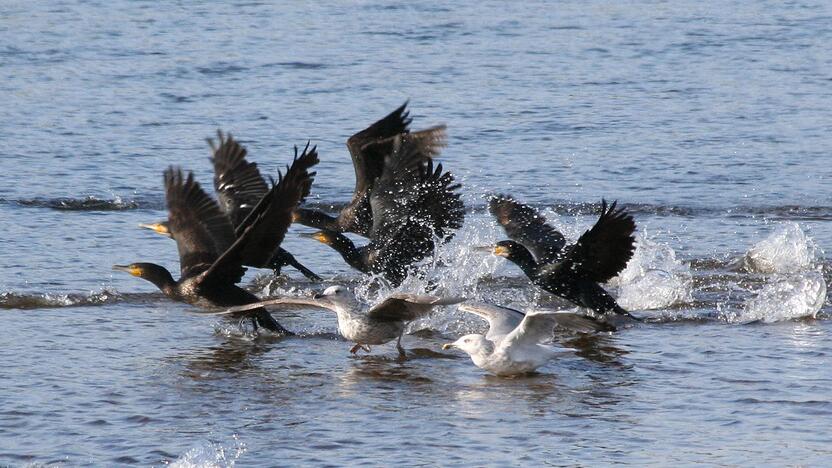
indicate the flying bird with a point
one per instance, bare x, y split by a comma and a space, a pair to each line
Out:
513, 343
368, 149
211, 255
367, 325
572, 272
239, 187
412, 205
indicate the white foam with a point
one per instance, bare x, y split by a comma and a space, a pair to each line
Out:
211, 455
786, 298
654, 277
786, 250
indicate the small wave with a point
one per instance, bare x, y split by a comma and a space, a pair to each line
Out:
13, 300
211, 455
654, 278
789, 298
787, 250
89, 203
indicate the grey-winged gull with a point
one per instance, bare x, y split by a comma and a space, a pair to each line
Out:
365, 325
513, 343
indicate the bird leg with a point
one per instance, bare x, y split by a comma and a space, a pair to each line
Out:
282, 258
358, 346
399, 347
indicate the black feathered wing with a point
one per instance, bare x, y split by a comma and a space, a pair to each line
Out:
238, 182
202, 231
266, 225
601, 252
526, 225
366, 159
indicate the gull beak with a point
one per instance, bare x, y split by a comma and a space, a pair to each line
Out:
295, 216
448, 346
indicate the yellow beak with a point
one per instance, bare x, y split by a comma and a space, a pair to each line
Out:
501, 251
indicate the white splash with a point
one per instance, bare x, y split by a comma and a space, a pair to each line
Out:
786, 298
786, 250
654, 277
211, 455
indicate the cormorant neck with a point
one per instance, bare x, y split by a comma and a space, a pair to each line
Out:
525, 260
315, 218
159, 276
347, 249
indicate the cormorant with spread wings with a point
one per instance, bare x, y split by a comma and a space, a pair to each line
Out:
239, 187
368, 149
571, 272
211, 256
412, 205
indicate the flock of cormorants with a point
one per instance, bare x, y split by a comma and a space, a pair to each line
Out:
404, 204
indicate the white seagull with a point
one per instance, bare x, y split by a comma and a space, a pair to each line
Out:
512, 345
365, 326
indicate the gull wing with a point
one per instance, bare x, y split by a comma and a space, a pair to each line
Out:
322, 303
407, 307
501, 320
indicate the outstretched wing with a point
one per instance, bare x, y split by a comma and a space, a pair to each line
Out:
238, 183
576, 322
526, 225
412, 204
202, 231
438, 204
366, 159
501, 320
602, 251
536, 327
407, 307
264, 228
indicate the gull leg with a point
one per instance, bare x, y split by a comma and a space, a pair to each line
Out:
354, 349
399, 347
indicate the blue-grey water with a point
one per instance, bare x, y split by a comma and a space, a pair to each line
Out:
709, 120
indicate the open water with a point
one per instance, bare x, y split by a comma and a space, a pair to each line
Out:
709, 120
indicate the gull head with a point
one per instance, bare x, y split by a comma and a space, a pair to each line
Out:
336, 294
472, 344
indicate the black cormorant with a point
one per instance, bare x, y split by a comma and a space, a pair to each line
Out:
239, 186
412, 205
571, 272
368, 149
210, 255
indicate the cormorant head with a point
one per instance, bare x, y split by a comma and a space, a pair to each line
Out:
508, 249
324, 237
141, 270
162, 227
156, 274
472, 344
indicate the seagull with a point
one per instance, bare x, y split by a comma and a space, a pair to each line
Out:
512, 346
365, 326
